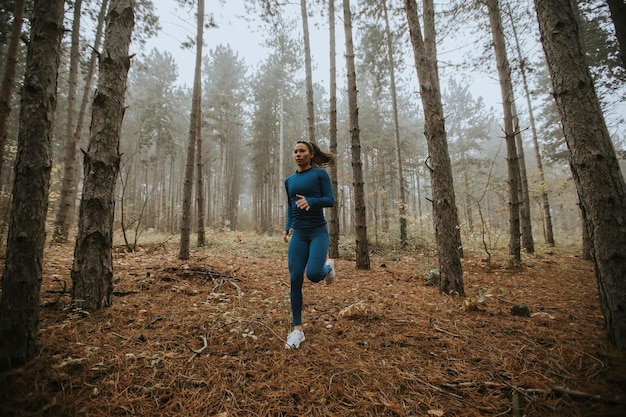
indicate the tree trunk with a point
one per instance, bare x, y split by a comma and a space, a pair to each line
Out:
524, 195
506, 88
21, 280
468, 202
8, 79
92, 271
396, 130
282, 208
309, 74
545, 203
333, 220
360, 219
199, 171
191, 147
430, 48
618, 15
67, 203
593, 161
62, 223
445, 214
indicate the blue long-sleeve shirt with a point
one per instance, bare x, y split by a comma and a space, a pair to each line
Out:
314, 184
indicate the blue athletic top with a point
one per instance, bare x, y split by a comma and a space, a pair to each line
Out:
314, 184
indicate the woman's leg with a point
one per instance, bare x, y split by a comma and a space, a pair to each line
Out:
297, 257
316, 269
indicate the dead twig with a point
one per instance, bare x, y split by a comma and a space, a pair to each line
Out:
444, 331
529, 392
268, 328
120, 336
199, 351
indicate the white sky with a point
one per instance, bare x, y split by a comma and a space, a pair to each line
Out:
243, 37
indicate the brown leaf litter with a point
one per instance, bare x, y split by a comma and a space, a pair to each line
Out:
205, 337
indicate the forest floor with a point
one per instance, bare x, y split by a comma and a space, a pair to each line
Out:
205, 337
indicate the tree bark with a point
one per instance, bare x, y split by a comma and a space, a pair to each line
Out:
360, 218
191, 147
445, 215
68, 193
545, 202
310, 107
618, 15
593, 160
396, 129
67, 203
506, 88
333, 220
8, 79
524, 195
21, 280
199, 172
92, 270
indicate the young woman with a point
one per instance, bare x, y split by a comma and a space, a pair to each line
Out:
308, 191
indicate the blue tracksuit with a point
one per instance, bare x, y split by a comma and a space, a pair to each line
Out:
309, 235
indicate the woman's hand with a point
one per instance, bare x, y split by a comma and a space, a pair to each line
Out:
302, 203
285, 236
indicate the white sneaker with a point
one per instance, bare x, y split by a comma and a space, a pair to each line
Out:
294, 339
332, 273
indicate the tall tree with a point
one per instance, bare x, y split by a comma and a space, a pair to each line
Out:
62, 223
510, 129
593, 160
545, 202
226, 90
199, 174
275, 86
360, 219
68, 191
396, 127
92, 270
310, 109
155, 116
618, 15
524, 195
21, 280
333, 218
193, 132
444, 202
467, 128
8, 79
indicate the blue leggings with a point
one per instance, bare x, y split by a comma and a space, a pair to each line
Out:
307, 249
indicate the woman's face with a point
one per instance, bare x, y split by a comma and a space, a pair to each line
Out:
302, 155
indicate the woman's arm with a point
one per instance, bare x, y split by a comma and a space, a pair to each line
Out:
328, 195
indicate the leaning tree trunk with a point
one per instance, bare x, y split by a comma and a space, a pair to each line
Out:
193, 132
618, 16
62, 223
430, 49
66, 209
594, 164
506, 88
360, 219
545, 202
333, 220
8, 79
21, 280
396, 129
92, 271
444, 204
524, 195
310, 109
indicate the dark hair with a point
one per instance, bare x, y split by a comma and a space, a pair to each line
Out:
320, 158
